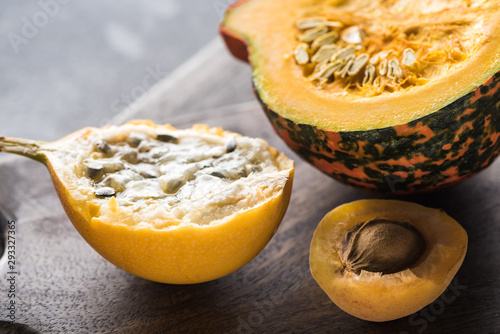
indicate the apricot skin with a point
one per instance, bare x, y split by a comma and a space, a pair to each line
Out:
376, 297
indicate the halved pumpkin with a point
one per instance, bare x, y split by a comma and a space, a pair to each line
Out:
397, 96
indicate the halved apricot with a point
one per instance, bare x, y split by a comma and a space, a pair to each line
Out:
380, 260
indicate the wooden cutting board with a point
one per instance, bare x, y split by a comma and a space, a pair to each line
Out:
64, 286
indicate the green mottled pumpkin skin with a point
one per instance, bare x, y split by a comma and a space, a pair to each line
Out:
435, 151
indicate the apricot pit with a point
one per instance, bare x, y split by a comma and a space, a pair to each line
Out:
381, 245
380, 260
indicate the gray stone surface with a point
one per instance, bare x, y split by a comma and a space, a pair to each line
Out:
67, 64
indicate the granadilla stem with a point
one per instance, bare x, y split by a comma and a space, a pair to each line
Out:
24, 147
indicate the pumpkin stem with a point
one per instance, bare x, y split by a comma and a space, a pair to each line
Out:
24, 147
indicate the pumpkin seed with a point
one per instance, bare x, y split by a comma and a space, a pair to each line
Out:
342, 73
166, 138
310, 35
343, 53
310, 22
353, 35
328, 70
393, 71
230, 144
301, 53
324, 53
374, 60
318, 68
358, 64
105, 192
326, 39
369, 75
382, 68
409, 57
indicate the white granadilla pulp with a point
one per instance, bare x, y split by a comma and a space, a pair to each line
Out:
163, 177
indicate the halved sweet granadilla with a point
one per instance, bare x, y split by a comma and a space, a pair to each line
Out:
396, 96
176, 206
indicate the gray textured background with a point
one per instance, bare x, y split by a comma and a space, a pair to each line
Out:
66, 64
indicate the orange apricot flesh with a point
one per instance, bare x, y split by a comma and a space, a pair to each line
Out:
375, 296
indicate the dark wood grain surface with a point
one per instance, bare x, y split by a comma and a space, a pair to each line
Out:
63, 286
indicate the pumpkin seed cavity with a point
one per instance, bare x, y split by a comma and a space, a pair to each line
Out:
382, 245
369, 57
